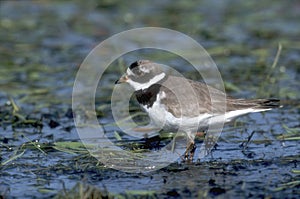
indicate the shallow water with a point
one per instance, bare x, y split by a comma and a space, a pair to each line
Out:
43, 45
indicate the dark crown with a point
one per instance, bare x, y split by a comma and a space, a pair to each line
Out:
138, 63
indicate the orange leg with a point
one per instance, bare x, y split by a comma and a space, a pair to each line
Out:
190, 150
191, 147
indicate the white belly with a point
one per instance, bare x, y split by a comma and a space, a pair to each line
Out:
163, 119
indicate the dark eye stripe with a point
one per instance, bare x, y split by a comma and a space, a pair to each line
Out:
133, 65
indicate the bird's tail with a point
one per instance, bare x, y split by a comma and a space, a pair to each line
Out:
267, 103
256, 104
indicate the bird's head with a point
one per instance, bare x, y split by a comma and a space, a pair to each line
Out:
142, 74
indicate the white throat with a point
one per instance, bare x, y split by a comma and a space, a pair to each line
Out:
141, 86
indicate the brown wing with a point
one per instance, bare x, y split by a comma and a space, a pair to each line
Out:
186, 97
190, 98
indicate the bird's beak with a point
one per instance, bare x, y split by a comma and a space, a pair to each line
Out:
122, 79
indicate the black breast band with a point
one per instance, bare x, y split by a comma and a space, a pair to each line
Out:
148, 96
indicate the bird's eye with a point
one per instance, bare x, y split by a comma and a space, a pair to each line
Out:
134, 65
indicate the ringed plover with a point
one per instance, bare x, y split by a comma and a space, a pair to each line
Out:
174, 103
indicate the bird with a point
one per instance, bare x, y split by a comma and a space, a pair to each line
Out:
175, 102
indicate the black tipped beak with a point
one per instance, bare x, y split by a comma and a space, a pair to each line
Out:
123, 79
